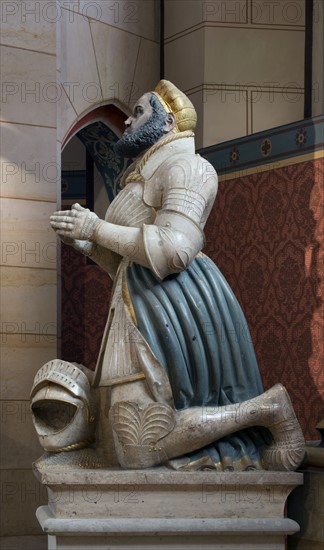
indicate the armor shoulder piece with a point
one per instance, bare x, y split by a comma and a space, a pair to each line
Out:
185, 183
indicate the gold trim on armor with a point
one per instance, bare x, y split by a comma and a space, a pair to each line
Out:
126, 297
83, 458
136, 174
126, 379
74, 446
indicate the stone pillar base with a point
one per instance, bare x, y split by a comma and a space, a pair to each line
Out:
158, 508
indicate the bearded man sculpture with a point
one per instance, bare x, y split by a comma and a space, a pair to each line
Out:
177, 378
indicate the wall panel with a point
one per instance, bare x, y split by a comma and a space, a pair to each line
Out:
250, 48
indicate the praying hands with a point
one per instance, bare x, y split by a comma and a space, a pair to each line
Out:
77, 223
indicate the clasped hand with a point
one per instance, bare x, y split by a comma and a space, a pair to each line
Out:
77, 223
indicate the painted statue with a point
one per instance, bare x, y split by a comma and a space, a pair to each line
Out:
177, 381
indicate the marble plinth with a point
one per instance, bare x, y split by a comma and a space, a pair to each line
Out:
158, 508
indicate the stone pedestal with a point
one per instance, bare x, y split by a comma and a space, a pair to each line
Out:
153, 509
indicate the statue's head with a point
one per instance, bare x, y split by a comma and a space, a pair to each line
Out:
155, 115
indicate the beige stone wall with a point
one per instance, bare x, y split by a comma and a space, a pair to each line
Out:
29, 182
240, 61
110, 53
59, 60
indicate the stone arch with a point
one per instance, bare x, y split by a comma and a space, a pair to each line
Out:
98, 130
110, 114
84, 285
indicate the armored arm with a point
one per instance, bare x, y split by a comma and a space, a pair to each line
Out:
175, 239
185, 187
171, 243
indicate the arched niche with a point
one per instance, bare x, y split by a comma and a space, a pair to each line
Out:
98, 131
93, 181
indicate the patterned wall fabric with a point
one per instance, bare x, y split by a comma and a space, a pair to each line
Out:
264, 234
85, 300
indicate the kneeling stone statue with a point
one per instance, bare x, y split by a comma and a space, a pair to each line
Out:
177, 382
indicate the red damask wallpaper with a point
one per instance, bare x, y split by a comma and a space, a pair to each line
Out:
263, 233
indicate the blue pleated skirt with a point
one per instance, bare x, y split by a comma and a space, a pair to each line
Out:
195, 326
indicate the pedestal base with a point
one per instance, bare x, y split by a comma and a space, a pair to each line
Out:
151, 509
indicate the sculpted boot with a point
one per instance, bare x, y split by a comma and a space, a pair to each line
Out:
288, 448
150, 434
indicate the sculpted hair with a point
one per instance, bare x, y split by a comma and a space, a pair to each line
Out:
157, 107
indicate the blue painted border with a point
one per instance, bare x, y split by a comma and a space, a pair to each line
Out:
276, 144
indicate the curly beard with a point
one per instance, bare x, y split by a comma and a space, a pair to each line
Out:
133, 144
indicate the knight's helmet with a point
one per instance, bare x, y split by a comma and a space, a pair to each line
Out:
63, 406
